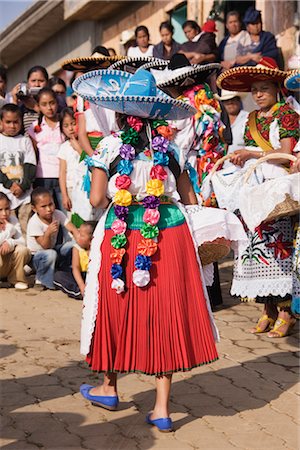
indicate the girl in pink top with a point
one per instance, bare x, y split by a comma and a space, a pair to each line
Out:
47, 137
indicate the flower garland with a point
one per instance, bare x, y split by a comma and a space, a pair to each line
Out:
208, 129
147, 247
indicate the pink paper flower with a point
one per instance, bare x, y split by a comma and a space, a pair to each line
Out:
119, 226
123, 182
158, 172
151, 216
135, 123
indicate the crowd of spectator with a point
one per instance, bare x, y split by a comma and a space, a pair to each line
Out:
244, 44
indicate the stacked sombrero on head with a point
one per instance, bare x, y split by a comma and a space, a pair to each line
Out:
96, 61
180, 72
131, 64
292, 81
241, 78
135, 95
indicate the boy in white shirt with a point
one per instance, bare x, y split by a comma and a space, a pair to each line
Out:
42, 234
17, 163
13, 253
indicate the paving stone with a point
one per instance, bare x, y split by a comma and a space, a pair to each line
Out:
261, 441
249, 392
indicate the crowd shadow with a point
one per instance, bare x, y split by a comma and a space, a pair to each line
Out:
195, 396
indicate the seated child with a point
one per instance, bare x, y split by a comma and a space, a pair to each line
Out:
17, 163
13, 253
42, 237
73, 283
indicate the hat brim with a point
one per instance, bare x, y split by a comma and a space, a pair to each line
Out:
135, 62
104, 88
241, 78
90, 62
196, 73
292, 82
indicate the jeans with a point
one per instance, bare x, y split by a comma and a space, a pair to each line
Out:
45, 262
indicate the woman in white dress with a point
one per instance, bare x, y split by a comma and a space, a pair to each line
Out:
143, 47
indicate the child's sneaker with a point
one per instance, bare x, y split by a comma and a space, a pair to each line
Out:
20, 286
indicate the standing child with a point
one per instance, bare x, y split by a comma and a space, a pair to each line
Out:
47, 138
73, 283
17, 163
68, 155
42, 233
13, 253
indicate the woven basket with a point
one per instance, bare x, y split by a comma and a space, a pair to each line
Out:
218, 163
210, 252
288, 207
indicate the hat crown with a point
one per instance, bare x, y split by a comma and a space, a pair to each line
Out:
141, 83
267, 63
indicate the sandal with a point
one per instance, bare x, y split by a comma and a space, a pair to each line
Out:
257, 329
275, 333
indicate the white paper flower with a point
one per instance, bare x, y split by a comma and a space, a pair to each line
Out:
141, 277
118, 285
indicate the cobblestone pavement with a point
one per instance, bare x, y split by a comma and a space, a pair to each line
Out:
245, 400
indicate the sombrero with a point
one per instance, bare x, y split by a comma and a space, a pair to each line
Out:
85, 63
135, 95
228, 95
180, 72
135, 63
292, 81
240, 78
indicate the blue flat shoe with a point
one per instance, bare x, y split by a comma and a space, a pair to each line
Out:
164, 425
107, 402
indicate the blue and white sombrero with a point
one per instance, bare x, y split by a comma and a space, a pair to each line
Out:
292, 81
135, 95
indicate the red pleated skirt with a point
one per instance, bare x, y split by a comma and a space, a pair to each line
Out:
161, 328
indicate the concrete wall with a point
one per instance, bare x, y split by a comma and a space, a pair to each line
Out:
76, 39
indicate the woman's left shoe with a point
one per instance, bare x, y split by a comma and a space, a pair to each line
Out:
276, 333
165, 425
107, 402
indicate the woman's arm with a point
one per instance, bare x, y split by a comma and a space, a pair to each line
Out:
82, 135
76, 270
239, 157
98, 197
185, 190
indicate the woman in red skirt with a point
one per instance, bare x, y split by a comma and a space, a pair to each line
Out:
145, 307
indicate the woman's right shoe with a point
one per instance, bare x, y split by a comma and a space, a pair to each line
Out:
276, 333
107, 402
259, 329
165, 425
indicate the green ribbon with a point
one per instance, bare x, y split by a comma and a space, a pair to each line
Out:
149, 231
130, 136
159, 123
118, 240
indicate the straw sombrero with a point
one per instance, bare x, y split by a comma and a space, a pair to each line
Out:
180, 72
135, 63
228, 95
135, 95
85, 63
241, 78
292, 81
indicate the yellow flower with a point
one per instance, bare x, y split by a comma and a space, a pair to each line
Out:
155, 187
123, 198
